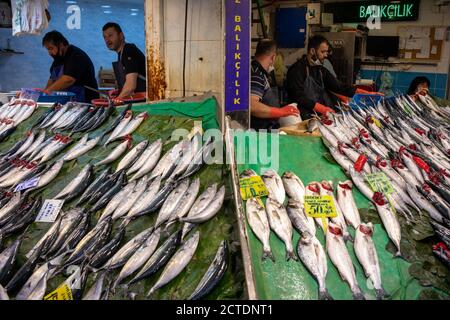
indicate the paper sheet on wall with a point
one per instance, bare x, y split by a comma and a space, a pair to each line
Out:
425, 50
439, 33
402, 43
434, 49
408, 55
413, 44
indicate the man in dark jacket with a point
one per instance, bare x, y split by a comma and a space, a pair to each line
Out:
311, 85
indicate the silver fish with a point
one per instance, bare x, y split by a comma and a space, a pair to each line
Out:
131, 199
177, 263
133, 125
132, 155
75, 183
294, 186
150, 162
95, 293
145, 156
171, 203
122, 125
3, 294
186, 202
313, 256
168, 162
117, 200
257, 219
81, 149
347, 203
146, 198
337, 251
140, 257
367, 255
213, 208
275, 185
50, 175
301, 222
115, 154
281, 225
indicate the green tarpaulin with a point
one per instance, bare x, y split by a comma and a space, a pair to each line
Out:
205, 111
291, 280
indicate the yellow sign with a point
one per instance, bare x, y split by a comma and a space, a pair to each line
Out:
253, 187
379, 182
62, 293
321, 207
376, 122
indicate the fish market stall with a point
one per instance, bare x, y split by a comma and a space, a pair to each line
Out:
389, 244
142, 217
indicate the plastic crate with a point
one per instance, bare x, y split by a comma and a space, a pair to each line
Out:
61, 97
363, 100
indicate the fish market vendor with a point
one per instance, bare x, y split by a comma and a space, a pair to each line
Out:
312, 86
130, 69
72, 69
419, 86
264, 101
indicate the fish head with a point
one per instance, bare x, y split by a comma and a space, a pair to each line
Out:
346, 185
366, 229
379, 199
327, 185
335, 230
305, 240
288, 175
314, 187
295, 204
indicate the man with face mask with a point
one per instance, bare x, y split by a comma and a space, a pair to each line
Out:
130, 68
264, 101
71, 70
311, 85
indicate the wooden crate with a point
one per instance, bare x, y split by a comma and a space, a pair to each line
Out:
300, 130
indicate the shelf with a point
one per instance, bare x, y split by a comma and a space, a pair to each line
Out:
386, 63
7, 52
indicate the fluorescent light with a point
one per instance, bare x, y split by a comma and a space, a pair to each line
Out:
106, 6
134, 10
71, 2
107, 11
134, 14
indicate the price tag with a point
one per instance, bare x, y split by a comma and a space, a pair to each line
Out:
62, 293
27, 184
321, 207
49, 211
377, 123
379, 182
253, 187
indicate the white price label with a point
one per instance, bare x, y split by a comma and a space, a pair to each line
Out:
27, 184
49, 211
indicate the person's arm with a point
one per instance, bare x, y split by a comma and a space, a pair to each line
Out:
130, 85
263, 111
49, 83
334, 85
62, 83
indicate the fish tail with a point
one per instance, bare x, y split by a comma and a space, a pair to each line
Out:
291, 255
398, 255
358, 295
381, 293
151, 292
324, 295
267, 254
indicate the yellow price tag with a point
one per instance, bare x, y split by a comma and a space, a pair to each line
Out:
379, 182
253, 187
321, 207
62, 293
376, 122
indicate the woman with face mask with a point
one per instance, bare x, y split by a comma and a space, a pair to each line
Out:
312, 86
264, 100
419, 86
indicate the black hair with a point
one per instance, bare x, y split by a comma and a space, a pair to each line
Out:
415, 83
55, 37
265, 47
112, 25
316, 41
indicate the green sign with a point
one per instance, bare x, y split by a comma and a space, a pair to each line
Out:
361, 11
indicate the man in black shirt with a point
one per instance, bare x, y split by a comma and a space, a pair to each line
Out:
312, 86
264, 104
130, 69
72, 69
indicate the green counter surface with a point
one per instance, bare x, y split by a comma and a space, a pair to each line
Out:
291, 280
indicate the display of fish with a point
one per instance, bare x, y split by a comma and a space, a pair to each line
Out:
146, 157
105, 253
132, 126
347, 203
337, 251
7, 259
128, 203
367, 255
81, 148
177, 263
214, 273
281, 224
171, 203
95, 292
94, 186
154, 153
212, 209
186, 202
116, 153
118, 128
258, 221
313, 257
313, 189
275, 185
168, 162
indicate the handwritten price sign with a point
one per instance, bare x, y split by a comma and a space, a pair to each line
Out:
320, 207
253, 187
